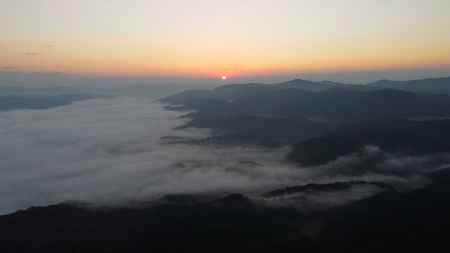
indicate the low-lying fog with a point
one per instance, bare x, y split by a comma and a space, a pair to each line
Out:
111, 151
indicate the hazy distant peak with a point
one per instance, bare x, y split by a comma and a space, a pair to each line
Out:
381, 81
331, 82
309, 85
240, 85
298, 81
430, 85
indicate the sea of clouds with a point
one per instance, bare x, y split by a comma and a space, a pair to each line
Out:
111, 151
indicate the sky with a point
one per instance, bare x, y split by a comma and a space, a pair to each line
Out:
345, 40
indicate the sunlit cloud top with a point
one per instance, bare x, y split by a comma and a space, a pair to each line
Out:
217, 38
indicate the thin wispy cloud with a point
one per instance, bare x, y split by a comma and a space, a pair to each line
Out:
31, 53
8, 68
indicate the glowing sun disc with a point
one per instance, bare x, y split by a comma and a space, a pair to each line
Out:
224, 77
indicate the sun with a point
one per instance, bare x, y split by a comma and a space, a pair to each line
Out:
224, 78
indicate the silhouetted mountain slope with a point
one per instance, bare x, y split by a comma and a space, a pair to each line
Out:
267, 130
310, 85
398, 136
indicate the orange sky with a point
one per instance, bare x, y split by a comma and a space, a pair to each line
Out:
213, 38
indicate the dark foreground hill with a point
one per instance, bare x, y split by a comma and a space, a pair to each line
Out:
417, 220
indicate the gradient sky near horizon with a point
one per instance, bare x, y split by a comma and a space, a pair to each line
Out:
214, 38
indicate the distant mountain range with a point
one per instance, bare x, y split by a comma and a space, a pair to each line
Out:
430, 85
302, 94
434, 85
301, 109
